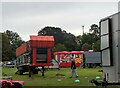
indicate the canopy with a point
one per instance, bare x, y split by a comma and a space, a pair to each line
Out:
42, 41
72, 52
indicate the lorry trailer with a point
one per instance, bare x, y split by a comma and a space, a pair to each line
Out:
92, 59
33, 54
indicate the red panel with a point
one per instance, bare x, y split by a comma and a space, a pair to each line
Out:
65, 64
34, 56
42, 38
21, 49
68, 64
63, 52
72, 52
42, 64
76, 52
42, 41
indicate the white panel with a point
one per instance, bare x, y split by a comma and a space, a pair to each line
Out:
104, 27
104, 42
106, 57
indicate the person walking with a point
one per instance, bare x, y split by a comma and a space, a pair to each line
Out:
73, 67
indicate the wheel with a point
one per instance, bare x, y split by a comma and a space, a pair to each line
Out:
6, 84
29, 72
42, 73
87, 65
43, 70
35, 71
20, 72
16, 85
93, 65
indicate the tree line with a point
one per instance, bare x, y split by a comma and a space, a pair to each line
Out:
68, 42
63, 41
10, 41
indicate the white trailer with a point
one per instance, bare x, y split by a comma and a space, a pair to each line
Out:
110, 47
110, 50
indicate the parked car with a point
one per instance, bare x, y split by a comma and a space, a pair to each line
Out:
9, 64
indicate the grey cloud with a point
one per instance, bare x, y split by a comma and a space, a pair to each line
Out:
27, 18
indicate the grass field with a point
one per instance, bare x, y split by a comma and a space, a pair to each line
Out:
50, 78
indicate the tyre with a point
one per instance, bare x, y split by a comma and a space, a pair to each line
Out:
87, 65
20, 72
93, 65
16, 85
6, 84
35, 71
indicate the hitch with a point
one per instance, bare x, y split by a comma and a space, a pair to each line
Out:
102, 83
43, 70
99, 83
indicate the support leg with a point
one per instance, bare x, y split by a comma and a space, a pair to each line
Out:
29, 71
43, 70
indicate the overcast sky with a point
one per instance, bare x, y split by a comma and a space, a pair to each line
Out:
27, 18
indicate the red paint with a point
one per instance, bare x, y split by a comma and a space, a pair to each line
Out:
42, 41
72, 52
34, 43
10, 81
21, 49
68, 64
42, 64
34, 56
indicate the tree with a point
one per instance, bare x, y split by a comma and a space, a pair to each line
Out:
6, 49
79, 41
11, 40
86, 47
62, 37
92, 38
59, 47
72, 42
14, 39
95, 30
88, 38
53, 31
96, 46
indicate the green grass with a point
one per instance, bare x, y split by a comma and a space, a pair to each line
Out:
50, 78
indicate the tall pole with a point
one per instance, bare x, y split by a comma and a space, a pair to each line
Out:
83, 28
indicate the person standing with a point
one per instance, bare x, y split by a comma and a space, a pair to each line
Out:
73, 67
